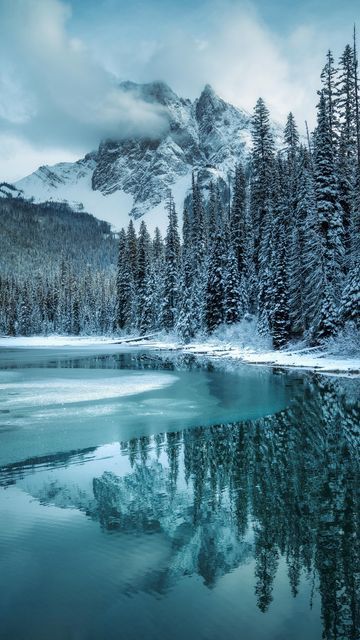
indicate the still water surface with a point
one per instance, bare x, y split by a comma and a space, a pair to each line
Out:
152, 497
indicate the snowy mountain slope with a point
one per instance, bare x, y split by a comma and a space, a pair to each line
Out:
9, 191
132, 176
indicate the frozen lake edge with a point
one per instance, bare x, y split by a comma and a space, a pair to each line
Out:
313, 359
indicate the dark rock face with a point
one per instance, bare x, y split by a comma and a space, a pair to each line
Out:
208, 133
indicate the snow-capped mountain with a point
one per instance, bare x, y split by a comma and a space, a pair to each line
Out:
132, 176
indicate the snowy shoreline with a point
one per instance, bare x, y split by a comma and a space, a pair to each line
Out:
313, 359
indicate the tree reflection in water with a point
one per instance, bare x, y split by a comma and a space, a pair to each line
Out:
286, 485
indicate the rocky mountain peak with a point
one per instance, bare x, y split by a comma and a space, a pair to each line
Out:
157, 92
137, 173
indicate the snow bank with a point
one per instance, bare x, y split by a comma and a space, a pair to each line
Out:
322, 360
235, 344
55, 341
319, 360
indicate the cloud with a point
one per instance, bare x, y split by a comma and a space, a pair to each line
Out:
226, 43
59, 88
242, 59
53, 92
19, 157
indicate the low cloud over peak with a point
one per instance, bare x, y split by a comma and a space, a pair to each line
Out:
62, 60
52, 91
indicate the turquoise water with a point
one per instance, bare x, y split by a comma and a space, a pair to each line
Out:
152, 497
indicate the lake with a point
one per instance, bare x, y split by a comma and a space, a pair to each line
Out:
153, 496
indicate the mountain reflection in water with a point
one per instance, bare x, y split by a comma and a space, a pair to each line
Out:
281, 487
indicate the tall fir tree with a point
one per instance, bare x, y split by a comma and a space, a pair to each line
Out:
172, 267
262, 161
215, 286
329, 211
238, 219
125, 286
329, 97
347, 155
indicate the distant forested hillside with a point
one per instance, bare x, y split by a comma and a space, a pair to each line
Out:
36, 234
57, 269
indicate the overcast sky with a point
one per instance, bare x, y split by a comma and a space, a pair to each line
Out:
62, 59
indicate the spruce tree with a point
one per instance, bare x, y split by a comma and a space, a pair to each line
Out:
349, 310
262, 160
280, 323
125, 286
347, 155
215, 287
232, 304
187, 323
143, 280
328, 209
329, 98
132, 249
172, 267
291, 139
238, 219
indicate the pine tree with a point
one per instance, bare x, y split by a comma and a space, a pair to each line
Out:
354, 248
76, 324
172, 267
280, 324
303, 216
131, 240
262, 160
214, 213
327, 323
277, 301
232, 305
291, 139
349, 310
125, 286
290, 169
187, 323
347, 156
215, 288
157, 247
143, 254
155, 285
357, 99
143, 280
238, 219
149, 301
329, 98
198, 224
328, 209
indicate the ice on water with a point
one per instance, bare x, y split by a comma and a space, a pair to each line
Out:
51, 403
80, 386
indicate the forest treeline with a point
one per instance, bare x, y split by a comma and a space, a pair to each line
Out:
57, 269
285, 248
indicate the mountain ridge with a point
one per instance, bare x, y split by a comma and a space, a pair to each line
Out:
132, 176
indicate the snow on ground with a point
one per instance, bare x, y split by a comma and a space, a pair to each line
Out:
320, 360
306, 358
54, 341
